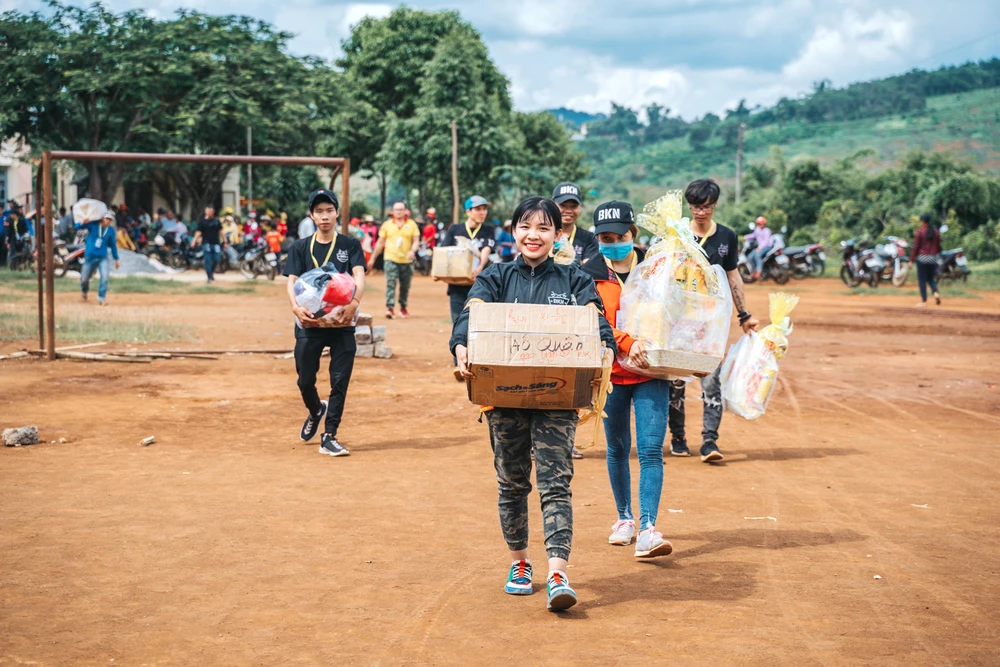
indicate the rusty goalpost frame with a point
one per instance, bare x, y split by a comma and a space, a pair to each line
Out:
340, 165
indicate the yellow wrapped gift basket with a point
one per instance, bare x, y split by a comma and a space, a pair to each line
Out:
675, 301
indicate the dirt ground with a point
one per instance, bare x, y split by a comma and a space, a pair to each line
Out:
856, 523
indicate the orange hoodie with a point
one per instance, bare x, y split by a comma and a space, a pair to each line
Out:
610, 291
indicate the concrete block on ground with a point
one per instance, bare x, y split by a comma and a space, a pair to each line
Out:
365, 351
363, 335
364, 320
383, 351
378, 334
25, 435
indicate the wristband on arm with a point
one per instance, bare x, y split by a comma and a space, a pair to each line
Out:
744, 316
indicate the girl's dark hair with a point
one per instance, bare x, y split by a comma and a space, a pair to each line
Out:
527, 208
703, 191
931, 231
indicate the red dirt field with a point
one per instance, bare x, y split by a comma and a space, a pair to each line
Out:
856, 523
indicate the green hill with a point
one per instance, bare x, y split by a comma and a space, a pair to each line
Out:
965, 125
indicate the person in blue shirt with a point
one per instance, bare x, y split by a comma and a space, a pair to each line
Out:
506, 242
100, 238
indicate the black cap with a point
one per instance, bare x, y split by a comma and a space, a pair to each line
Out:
321, 195
567, 192
614, 216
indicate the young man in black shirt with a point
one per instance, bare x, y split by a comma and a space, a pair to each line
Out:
570, 201
345, 253
209, 232
721, 246
483, 239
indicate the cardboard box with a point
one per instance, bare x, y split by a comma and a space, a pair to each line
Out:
453, 265
533, 356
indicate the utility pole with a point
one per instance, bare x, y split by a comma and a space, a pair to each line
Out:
249, 170
454, 170
739, 163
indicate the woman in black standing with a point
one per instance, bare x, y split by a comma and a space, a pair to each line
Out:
927, 255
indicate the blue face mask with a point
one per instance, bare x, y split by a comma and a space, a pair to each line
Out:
558, 244
616, 251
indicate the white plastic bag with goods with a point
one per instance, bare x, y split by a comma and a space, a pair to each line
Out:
88, 210
750, 371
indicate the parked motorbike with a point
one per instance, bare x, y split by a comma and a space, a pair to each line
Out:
954, 266
895, 259
775, 264
259, 261
806, 261
860, 264
67, 258
22, 257
422, 260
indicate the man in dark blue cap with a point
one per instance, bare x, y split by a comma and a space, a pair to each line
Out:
483, 239
570, 200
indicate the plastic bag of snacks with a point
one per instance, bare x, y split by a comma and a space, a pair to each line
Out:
324, 292
675, 301
563, 252
751, 369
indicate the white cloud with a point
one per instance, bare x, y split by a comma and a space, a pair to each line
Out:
856, 44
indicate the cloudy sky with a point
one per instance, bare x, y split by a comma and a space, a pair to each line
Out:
693, 56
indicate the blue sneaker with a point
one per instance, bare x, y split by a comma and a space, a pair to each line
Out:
519, 579
561, 596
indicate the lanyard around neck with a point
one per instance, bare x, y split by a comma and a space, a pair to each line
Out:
711, 231
472, 235
312, 244
635, 260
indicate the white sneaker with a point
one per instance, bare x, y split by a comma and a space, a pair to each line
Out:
651, 544
622, 533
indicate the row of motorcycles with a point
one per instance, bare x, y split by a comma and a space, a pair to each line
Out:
253, 257
872, 264
782, 263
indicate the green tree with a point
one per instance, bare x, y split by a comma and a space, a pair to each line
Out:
386, 58
85, 79
88, 79
417, 150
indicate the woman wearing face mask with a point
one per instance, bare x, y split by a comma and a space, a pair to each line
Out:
533, 278
616, 230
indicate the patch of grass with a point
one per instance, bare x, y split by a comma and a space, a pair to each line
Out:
946, 290
985, 276
26, 282
239, 288
21, 326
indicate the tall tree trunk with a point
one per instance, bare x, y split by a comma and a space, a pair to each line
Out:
383, 186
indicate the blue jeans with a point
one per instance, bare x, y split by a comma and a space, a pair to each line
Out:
651, 401
756, 259
927, 275
103, 265
212, 255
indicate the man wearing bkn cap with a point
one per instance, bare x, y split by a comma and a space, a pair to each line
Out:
570, 201
484, 240
323, 247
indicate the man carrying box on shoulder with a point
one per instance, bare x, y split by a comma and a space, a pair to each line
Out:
721, 246
325, 246
483, 239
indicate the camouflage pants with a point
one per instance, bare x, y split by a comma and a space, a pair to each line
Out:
513, 434
404, 274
